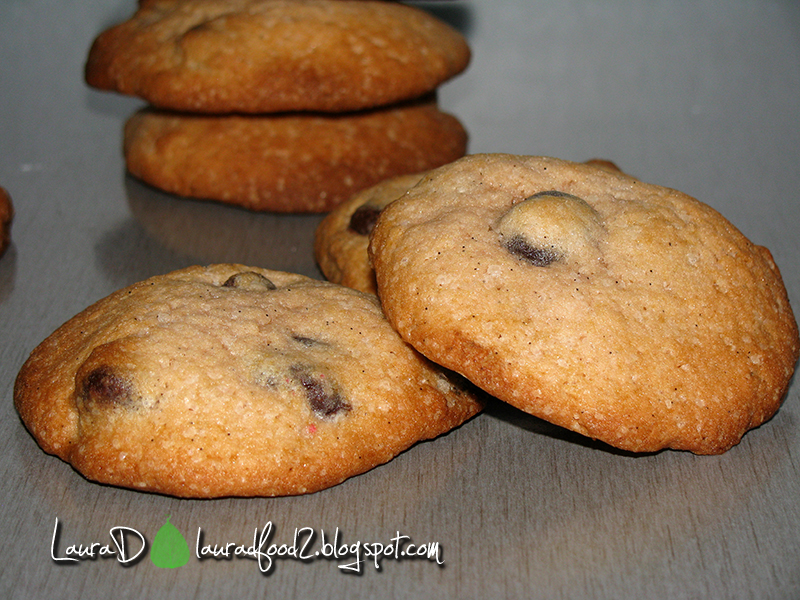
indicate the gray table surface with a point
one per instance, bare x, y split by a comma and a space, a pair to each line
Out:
697, 95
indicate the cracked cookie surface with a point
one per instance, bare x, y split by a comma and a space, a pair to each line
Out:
233, 381
630, 313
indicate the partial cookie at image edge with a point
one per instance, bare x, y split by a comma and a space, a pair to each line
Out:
6, 219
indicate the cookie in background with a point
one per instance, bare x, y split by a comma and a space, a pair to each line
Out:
303, 70
291, 162
341, 240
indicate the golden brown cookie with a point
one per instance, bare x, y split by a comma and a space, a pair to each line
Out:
258, 56
6, 217
233, 381
293, 162
627, 312
341, 240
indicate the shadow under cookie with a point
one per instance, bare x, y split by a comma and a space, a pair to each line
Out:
204, 232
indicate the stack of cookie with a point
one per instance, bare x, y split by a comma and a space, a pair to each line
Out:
281, 105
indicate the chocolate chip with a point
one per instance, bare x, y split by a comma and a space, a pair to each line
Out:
249, 280
363, 219
199, 27
540, 257
305, 341
553, 193
323, 402
553, 226
104, 387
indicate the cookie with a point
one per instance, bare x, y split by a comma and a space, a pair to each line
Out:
6, 217
341, 239
627, 312
264, 56
233, 381
293, 162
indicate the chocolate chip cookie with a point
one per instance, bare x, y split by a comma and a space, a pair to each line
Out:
628, 312
341, 240
266, 56
292, 162
233, 381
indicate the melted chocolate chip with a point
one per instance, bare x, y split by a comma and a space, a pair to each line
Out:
323, 402
540, 257
363, 219
104, 387
197, 28
554, 193
305, 341
249, 280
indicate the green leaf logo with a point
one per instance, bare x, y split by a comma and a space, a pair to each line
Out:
169, 549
